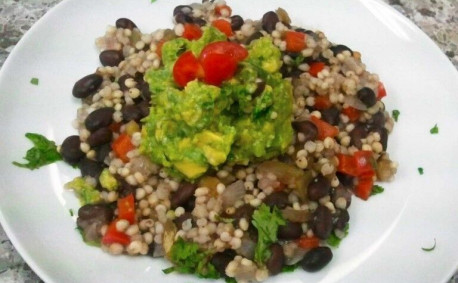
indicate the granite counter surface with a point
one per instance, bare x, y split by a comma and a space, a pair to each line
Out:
437, 18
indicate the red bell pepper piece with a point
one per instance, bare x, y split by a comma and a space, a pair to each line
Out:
381, 91
324, 129
114, 236
347, 164
126, 208
363, 163
295, 41
363, 189
224, 26
315, 68
352, 113
308, 242
121, 146
322, 102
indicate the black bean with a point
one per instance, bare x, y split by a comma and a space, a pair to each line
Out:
278, 199
220, 260
190, 204
182, 9
144, 108
316, 259
322, 222
101, 212
343, 192
383, 132
367, 96
246, 211
359, 132
290, 231
331, 115
276, 260
182, 218
341, 219
199, 21
70, 150
138, 77
99, 118
131, 112
182, 18
184, 193
269, 21
111, 58
307, 128
377, 120
122, 81
345, 179
236, 22
145, 92
125, 188
87, 85
254, 36
318, 188
91, 168
125, 24
101, 152
99, 137
336, 49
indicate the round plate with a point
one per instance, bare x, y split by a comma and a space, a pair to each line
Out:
387, 232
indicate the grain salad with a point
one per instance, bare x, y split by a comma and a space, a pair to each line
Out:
231, 147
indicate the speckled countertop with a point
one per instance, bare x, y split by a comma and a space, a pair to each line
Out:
437, 18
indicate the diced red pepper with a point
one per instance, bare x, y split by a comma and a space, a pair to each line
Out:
315, 68
324, 129
219, 10
352, 113
347, 164
363, 189
224, 26
187, 68
114, 236
322, 102
295, 41
121, 146
363, 163
309, 242
126, 208
192, 31
381, 91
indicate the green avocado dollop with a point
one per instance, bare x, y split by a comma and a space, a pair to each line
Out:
201, 126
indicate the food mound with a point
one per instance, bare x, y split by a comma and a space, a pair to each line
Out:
231, 147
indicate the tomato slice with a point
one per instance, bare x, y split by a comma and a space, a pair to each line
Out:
219, 10
324, 129
322, 102
218, 68
315, 68
114, 236
231, 49
381, 91
295, 41
364, 188
308, 242
121, 146
187, 68
352, 113
224, 26
192, 31
126, 208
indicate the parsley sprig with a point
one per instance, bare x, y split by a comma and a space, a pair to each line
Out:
42, 153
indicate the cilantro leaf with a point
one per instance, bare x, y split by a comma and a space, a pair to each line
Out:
420, 170
71, 212
43, 152
395, 113
168, 270
431, 248
376, 189
34, 81
188, 258
334, 241
289, 268
267, 223
434, 130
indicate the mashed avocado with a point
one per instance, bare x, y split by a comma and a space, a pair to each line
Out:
201, 126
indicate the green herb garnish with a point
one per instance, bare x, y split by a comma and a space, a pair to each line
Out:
267, 223
395, 113
34, 81
434, 130
420, 170
89, 243
71, 212
431, 248
43, 152
376, 189
334, 241
230, 280
188, 258
289, 268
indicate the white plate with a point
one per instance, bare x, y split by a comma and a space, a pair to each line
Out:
387, 232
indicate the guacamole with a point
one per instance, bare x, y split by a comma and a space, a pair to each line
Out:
201, 126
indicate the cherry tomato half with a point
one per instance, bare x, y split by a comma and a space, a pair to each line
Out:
218, 68
230, 49
187, 68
